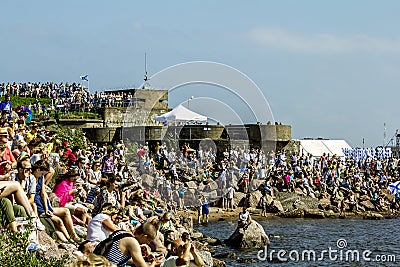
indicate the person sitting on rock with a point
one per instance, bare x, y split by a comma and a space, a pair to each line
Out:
244, 218
183, 254
296, 203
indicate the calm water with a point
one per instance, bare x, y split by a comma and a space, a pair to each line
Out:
381, 237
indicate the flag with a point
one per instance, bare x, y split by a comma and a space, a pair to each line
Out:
394, 187
85, 78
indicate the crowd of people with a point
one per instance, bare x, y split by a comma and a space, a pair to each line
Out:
65, 97
90, 197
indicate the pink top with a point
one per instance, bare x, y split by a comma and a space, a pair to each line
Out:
62, 191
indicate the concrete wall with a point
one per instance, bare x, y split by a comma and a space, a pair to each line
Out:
81, 123
147, 105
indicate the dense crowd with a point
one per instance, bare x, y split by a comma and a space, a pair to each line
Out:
66, 96
92, 192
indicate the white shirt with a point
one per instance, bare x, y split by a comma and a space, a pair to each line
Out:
96, 230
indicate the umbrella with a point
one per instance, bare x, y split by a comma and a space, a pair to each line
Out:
395, 187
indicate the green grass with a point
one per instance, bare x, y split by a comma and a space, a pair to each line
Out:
18, 101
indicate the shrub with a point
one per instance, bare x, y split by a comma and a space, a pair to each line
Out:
13, 251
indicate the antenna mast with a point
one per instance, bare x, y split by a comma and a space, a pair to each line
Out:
146, 78
384, 134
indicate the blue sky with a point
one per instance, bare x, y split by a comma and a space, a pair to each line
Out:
329, 68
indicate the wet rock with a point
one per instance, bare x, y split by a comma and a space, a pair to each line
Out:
292, 214
218, 263
252, 237
211, 241
330, 214
248, 260
226, 255
314, 214
373, 216
196, 235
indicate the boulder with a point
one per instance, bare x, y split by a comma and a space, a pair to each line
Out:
147, 181
191, 184
196, 235
237, 198
314, 214
255, 184
373, 216
218, 263
324, 203
206, 256
254, 199
226, 255
367, 204
387, 194
252, 237
292, 214
363, 198
212, 186
299, 192
211, 241
275, 206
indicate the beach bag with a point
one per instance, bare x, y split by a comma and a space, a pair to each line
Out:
103, 248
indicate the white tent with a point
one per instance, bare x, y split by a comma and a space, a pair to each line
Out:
180, 113
318, 147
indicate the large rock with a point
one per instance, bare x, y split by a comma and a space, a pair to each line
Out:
314, 214
212, 186
147, 181
254, 199
255, 184
324, 203
367, 204
207, 258
191, 184
275, 206
218, 263
387, 194
237, 198
374, 216
292, 214
250, 238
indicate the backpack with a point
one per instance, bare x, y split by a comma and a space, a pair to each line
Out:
103, 248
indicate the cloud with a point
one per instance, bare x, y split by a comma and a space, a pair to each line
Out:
321, 43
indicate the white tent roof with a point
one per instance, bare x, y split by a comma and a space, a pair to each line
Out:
319, 147
180, 113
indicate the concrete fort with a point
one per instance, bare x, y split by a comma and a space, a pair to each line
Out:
219, 137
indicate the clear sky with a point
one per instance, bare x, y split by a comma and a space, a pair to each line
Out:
329, 68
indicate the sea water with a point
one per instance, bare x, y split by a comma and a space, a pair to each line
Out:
334, 242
